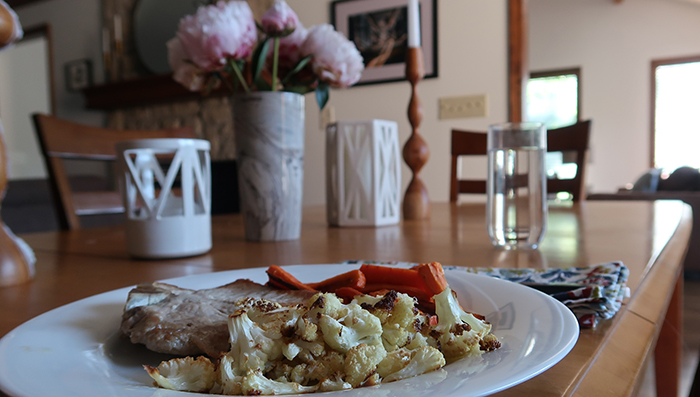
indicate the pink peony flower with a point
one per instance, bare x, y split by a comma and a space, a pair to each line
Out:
217, 32
289, 54
184, 72
10, 28
279, 20
335, 59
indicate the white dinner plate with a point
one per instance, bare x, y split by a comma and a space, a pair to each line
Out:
75, 350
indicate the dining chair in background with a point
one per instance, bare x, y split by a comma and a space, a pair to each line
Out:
64, 140
574, 138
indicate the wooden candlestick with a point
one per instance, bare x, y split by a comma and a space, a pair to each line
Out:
416, 204
16, 258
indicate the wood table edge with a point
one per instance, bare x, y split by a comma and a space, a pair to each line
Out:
590, 382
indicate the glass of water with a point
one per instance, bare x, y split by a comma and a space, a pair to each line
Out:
517, 185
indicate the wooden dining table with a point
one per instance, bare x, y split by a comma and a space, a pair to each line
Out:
650, 238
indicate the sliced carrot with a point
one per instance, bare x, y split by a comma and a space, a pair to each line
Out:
392, 275
347, 293
275, 284
283, 278
433, 276
352, 279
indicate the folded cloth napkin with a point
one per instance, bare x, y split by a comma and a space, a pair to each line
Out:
603, 286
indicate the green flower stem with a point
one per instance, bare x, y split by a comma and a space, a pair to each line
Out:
240, 75
275, 63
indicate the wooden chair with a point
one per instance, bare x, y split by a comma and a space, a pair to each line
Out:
60, 139
573, 138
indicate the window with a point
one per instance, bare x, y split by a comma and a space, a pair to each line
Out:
675, 131
553, 98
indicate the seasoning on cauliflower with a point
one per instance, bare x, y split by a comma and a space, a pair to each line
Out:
457, 333
185, 374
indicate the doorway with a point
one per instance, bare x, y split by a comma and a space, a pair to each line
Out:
25, 88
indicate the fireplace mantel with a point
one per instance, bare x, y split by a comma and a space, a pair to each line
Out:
141, 91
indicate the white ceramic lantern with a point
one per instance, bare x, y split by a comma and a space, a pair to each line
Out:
363, 173
166, 190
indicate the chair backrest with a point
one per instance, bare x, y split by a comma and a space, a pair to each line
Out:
60, 139
573, 138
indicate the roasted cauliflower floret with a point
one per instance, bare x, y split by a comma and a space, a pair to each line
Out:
185, 374
276, 320
422, 360
229, 381
457, 333
317, 369
334, 383
401, 321
251, 347
394, 361
355, 327
255, 384
307, 330
325, 304
361, 363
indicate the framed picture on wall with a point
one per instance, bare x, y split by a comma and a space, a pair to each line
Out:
78, 74
379, 29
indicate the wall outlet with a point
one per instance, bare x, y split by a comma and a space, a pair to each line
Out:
463, 107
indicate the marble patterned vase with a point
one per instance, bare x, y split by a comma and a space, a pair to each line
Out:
269, 134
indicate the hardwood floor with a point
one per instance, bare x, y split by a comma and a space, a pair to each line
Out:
691, 342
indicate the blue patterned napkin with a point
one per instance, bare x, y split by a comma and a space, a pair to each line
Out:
603, 286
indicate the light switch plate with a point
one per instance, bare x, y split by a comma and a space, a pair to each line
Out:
464, 107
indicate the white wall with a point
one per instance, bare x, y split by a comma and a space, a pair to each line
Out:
24, 83
76, 29
472, 38
614, 45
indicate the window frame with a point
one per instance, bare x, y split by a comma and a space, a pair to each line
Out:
655, 63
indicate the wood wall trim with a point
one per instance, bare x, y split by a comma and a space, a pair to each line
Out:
19, 3
652, 97
517, 58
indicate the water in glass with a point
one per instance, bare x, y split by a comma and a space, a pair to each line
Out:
516, 197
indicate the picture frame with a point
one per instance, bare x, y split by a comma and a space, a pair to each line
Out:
78, 74
379, 29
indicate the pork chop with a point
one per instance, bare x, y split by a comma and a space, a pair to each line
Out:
174, 320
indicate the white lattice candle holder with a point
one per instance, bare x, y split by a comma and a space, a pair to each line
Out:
166, 190
363, 173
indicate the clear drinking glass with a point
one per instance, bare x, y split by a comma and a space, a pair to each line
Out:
516, 185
